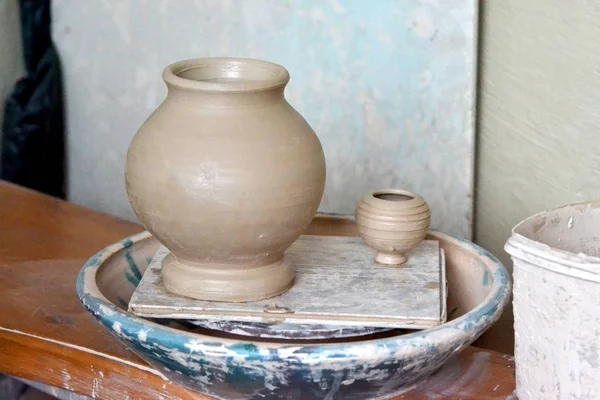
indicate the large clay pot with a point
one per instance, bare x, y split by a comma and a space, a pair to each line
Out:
227, 175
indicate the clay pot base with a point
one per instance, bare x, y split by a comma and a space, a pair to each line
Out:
214, 282
390, 259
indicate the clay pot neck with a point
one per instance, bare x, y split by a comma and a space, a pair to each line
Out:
226, 80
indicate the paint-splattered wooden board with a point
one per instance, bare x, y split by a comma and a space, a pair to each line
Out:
337, 283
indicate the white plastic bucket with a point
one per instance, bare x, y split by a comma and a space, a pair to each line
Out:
556, 289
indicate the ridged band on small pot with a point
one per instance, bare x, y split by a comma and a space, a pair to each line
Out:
392, 222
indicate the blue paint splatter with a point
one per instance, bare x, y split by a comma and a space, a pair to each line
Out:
247, 348
486, 278
133, 266
132, 279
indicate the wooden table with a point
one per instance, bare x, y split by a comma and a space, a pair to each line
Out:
47, 336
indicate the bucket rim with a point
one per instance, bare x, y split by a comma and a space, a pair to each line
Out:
519, 244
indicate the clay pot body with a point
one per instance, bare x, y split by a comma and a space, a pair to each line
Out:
227, 175
392, 222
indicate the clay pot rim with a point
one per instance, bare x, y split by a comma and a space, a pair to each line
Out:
275, 75
413, 198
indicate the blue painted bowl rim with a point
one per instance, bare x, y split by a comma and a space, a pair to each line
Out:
459, 332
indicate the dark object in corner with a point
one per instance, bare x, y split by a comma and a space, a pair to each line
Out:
33, 153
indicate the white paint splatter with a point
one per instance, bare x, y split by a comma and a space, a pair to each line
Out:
106, 310
288, 352
66, 378
117, 327
95, 388
143, 335
194, 345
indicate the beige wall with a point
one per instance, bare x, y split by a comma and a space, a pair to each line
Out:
11, 63
539, 115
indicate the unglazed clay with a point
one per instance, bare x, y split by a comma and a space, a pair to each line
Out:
392, 222
227, 175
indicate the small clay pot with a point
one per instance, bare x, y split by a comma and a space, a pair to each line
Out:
392, 222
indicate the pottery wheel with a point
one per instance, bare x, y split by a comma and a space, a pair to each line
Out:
286, 331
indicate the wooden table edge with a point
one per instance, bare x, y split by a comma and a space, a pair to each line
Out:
84, 371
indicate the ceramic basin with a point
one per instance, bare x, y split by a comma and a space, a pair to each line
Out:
239, 367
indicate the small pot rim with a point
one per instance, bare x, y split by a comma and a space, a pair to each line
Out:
275, 75
413, 197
